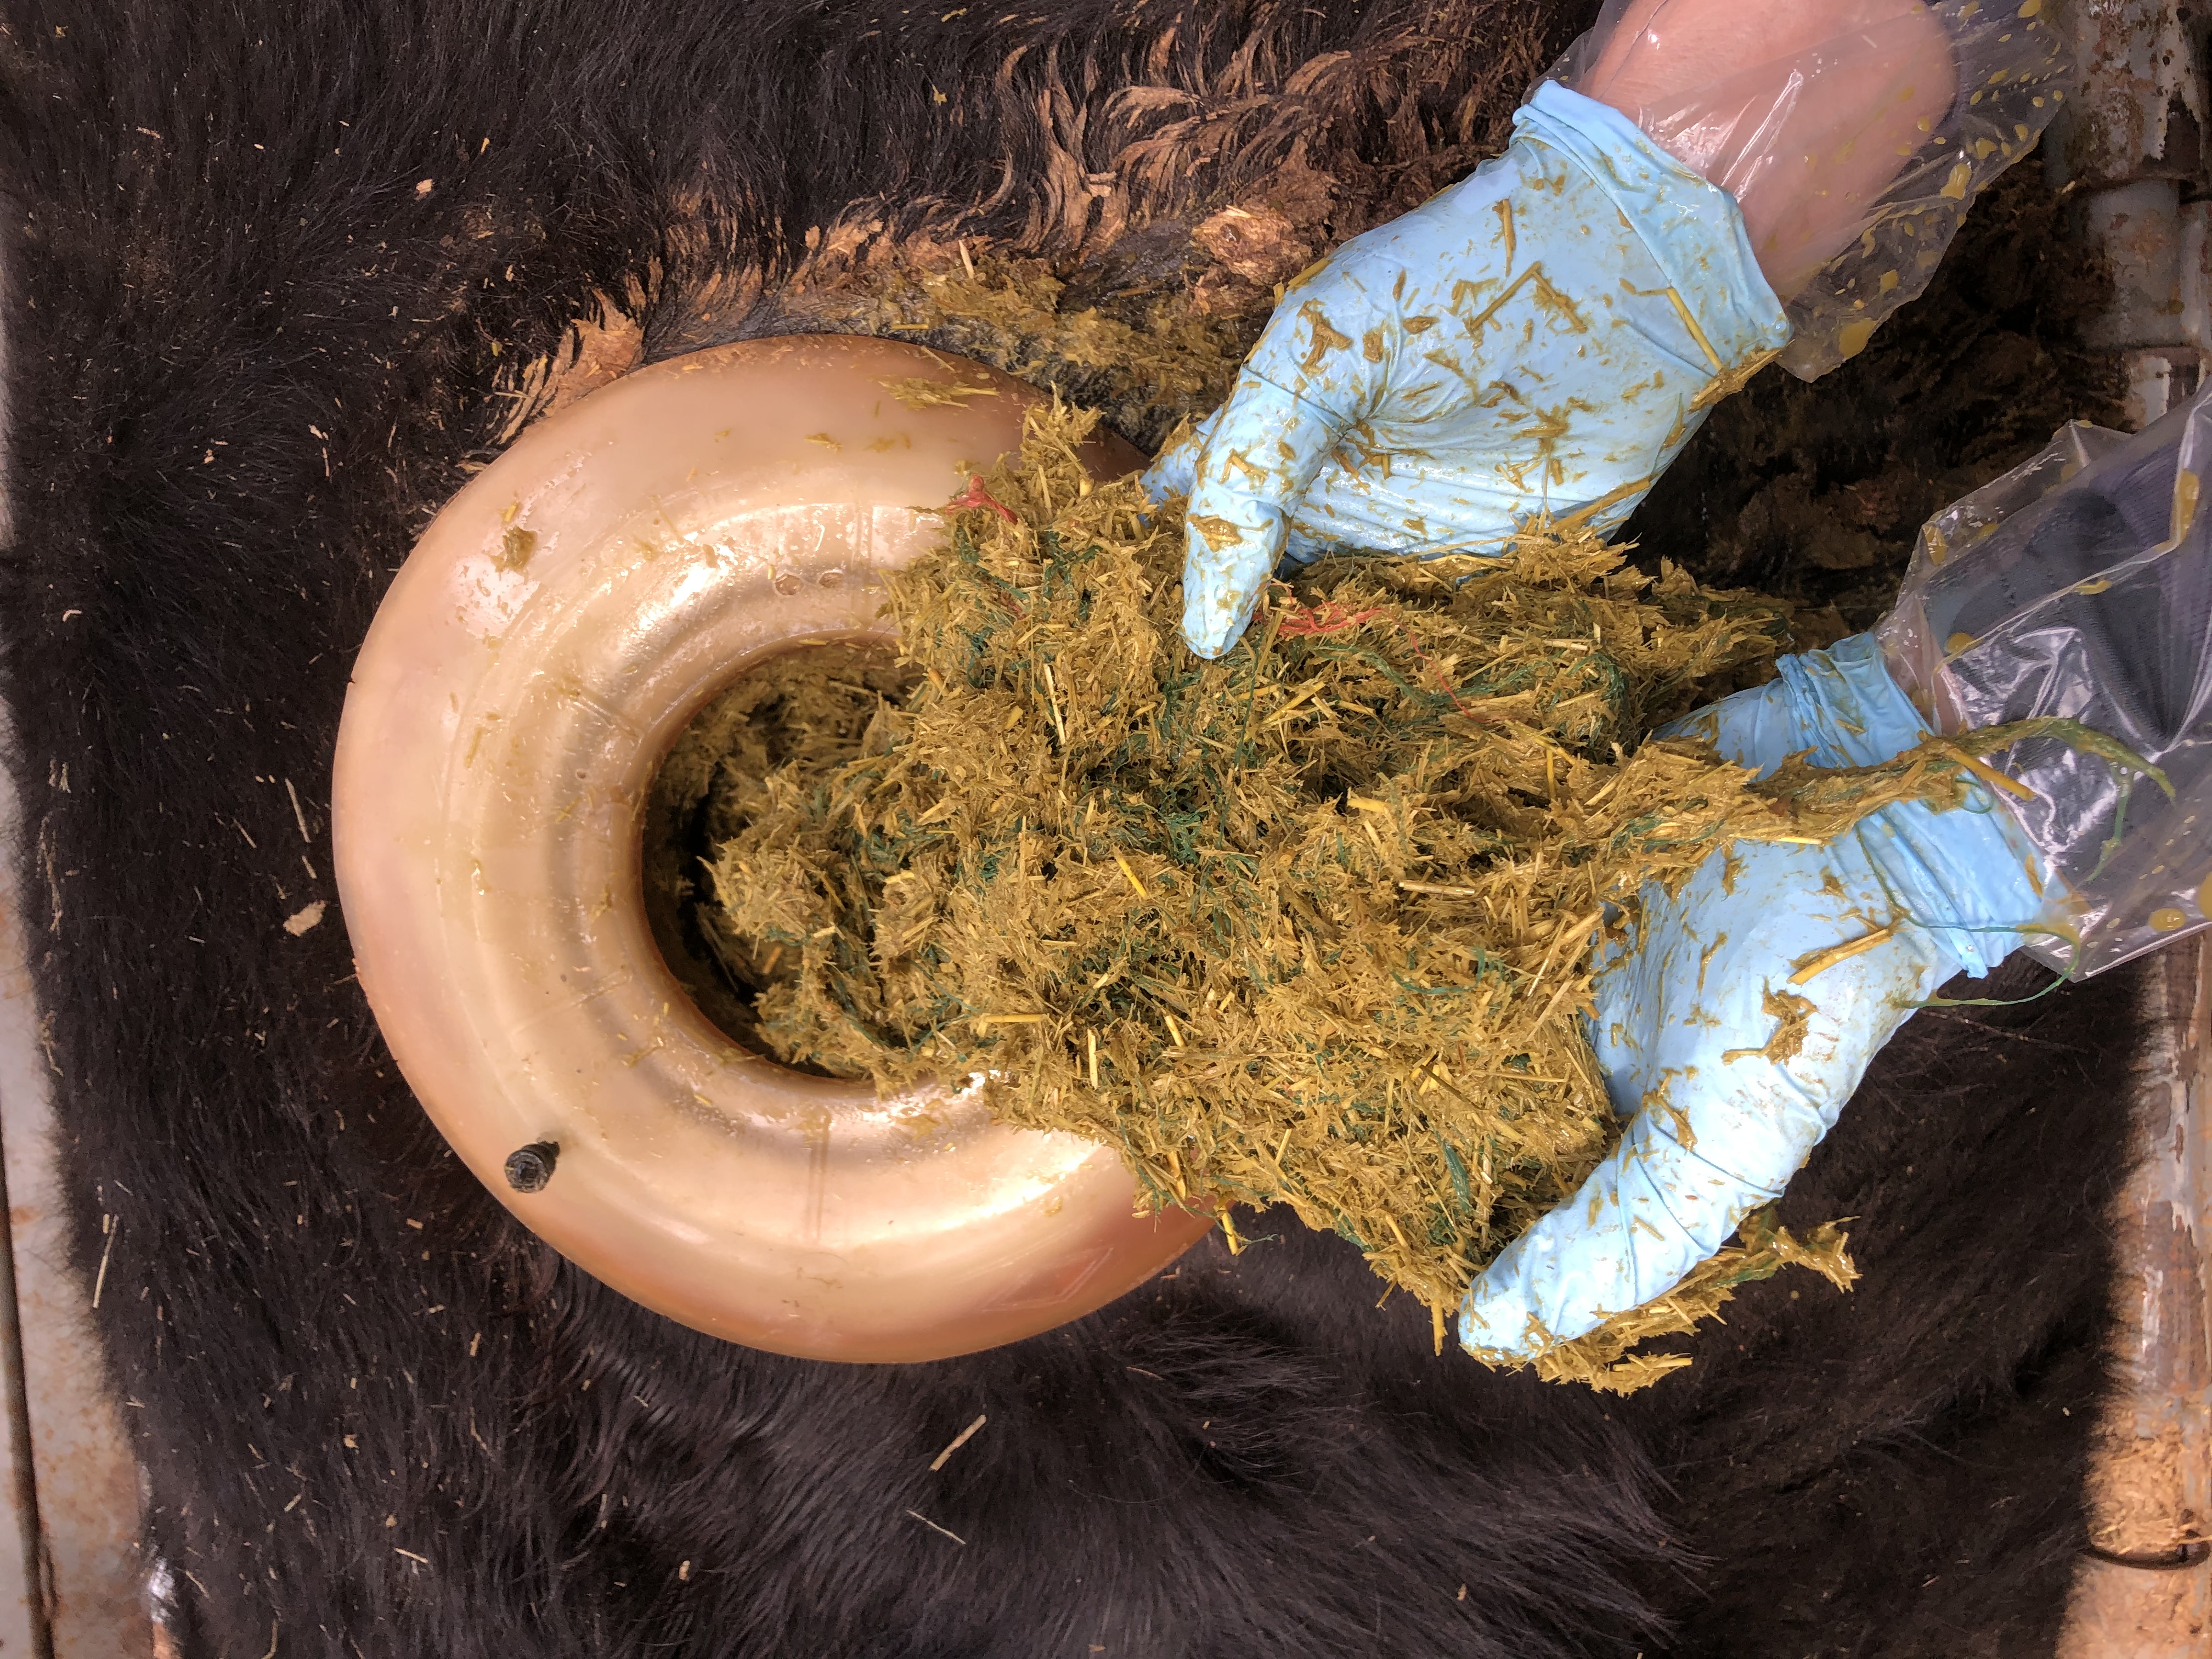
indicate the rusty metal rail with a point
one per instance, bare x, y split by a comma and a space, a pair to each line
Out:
2143, 1587
2131, 148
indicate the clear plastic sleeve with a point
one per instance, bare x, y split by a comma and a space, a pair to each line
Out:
1854, 142
2080, 584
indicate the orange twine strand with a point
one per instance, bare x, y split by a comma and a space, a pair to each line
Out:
1304, 621
976, 495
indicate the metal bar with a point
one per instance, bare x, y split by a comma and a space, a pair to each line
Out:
2143, 1590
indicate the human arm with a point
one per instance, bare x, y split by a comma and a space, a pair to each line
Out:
1738, 1015
1545, 336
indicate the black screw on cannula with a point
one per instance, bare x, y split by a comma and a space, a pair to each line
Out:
529, 1169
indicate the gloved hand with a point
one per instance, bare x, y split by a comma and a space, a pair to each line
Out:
1545, 336
1739, 1014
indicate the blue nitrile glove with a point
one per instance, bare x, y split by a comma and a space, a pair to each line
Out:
1688, 1007
1543, 337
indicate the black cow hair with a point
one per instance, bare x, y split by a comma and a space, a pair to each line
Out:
268, 270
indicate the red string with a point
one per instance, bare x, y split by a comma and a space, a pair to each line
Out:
979, 496
1304, 621
1330, 618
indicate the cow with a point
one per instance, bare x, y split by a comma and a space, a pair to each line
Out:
280, 277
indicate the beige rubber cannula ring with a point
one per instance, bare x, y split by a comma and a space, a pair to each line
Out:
553, 631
